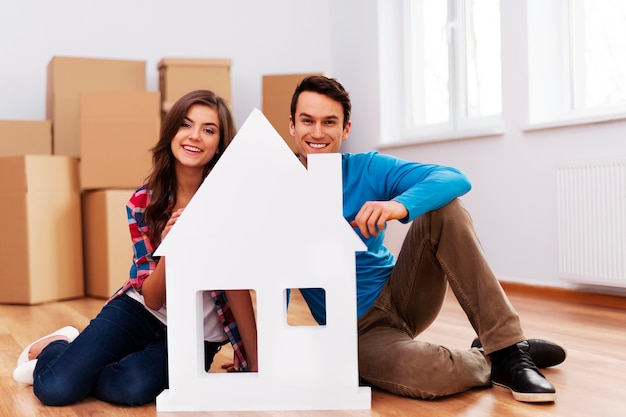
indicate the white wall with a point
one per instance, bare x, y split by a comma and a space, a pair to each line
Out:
261, 37
355, 55
513, 201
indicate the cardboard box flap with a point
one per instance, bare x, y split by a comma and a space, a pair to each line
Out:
119, 105
283, 85
87, 71
38, 173
68, 77
24, 137
193, 62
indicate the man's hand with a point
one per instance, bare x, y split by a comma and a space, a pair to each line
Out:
374, 216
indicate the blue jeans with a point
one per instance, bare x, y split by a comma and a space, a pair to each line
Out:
120, 357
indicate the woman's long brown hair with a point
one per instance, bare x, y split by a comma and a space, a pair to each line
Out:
161, 183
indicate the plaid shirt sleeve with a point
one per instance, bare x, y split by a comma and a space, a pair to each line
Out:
143, 246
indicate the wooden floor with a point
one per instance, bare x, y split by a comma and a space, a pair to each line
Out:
591, 382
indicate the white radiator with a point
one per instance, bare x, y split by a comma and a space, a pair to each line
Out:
592, 222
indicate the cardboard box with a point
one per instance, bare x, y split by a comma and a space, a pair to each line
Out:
41, 240
117, 131
277, 92
25, 137
108, 247
178, 76
68, 77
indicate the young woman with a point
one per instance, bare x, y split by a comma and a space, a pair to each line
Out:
121, 356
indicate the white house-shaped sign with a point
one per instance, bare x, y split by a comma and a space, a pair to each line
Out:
261, 221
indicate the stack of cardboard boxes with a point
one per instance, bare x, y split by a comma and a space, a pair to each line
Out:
65, 181
40, 242
102, 114
117, 130
51, 168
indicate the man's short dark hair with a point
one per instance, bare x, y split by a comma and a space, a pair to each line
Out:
327, 86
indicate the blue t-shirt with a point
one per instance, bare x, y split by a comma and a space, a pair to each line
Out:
373, 176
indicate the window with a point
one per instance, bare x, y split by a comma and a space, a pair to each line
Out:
452, 70
577, 60
310, 310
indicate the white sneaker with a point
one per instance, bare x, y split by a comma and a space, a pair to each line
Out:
23, 372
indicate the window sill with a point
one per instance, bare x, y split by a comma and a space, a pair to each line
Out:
575, 121
415, 139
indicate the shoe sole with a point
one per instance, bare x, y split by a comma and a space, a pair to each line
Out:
543, 397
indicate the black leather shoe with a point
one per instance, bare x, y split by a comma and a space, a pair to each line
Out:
543, 353
514, 369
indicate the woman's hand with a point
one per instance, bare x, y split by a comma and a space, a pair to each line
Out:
171, 222
153, 288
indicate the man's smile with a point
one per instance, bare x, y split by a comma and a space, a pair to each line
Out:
317, 145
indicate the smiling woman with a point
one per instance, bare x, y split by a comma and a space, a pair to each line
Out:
197, 140
121, 356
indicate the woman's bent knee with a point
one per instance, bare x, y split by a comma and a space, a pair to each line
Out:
58, 394
140, 393
130, 385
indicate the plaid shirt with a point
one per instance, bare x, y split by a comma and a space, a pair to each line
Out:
144, 264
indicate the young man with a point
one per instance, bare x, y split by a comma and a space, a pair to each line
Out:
397, 300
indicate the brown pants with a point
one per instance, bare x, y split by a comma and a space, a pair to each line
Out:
441, 247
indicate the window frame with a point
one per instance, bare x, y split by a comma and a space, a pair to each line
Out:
551, 88
394, 32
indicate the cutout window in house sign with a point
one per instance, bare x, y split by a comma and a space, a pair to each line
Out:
299, 314
214, 341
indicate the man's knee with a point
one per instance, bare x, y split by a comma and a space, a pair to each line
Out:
452, 213
454, 208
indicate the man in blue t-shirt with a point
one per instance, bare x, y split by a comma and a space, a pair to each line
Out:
398, 299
